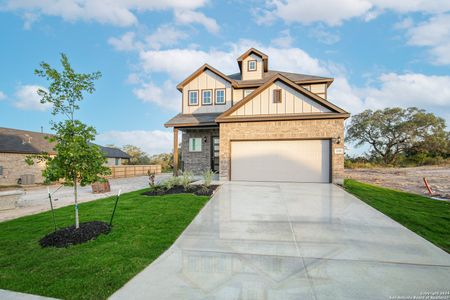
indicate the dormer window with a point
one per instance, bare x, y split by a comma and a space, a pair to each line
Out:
193, 98
206, 97
252, 65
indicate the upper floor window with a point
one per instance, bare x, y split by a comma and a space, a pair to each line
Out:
193, 97
252, 65
220, 96
206, 97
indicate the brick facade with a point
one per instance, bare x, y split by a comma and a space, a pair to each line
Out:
197, 162
295, 129
14, 166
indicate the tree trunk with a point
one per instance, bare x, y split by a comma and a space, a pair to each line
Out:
77, 221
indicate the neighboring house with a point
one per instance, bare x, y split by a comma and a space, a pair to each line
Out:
16, 145
116, 157
259, 124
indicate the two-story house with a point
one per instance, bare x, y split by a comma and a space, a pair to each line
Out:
259, 124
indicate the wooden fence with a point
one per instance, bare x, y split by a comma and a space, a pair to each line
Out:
133, 170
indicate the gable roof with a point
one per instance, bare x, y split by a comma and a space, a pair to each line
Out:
296, 77
31, 142
198, 72
24, 141
113, 152
247, 53
279, 77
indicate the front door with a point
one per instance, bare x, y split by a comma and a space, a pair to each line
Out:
215, 153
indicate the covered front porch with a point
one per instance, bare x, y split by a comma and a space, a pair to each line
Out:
199, 145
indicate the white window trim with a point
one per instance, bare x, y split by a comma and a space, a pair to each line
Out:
250, 62
191, 148
224, 100
210, 97
189, 98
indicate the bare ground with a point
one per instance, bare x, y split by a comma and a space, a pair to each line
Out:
407, 179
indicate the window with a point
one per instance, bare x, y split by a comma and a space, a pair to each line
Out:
195, 144
251, 65
247, 92
277, 96
117, 161
206, 97
193, 97
220, 96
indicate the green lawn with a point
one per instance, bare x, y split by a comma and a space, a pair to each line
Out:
144, 227
426, 217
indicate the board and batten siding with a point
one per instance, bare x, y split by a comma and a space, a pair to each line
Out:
252, 75
318, 89
206, 80
291, 102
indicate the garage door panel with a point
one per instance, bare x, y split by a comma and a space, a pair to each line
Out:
295, 161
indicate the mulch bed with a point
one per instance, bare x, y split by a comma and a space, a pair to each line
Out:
198, 190
68, 236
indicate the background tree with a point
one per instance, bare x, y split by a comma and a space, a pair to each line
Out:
77, 159
163, 159
394, 131
138, 157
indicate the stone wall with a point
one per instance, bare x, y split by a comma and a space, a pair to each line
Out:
14, 166
197, 162
327, 128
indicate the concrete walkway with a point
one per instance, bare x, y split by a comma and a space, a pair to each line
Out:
35, 200
292, 241
10, 295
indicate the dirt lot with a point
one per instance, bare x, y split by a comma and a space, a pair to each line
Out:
407, 179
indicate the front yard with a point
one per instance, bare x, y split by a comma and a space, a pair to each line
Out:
427, 217
144, 227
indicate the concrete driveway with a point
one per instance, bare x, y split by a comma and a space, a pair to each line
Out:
292, 241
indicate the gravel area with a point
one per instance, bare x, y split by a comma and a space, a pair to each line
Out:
407, 179
35, 200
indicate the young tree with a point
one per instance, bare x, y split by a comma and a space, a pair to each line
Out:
393, 131
77, 159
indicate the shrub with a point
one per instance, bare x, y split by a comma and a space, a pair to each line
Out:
171, 182
185, 179
207, 178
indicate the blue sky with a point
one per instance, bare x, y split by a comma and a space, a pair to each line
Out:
381, 53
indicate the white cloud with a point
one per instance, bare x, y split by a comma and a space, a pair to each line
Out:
165, 95
334, 12
324, 36
430, 92
191, 17
411, 89
119, 13
165, 35
126, 42
284, 40
26, 98
433, 34
179, 63
2, 95
152, 141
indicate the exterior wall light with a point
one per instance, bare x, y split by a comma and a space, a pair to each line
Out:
337, 140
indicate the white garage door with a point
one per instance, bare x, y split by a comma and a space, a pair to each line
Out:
290, 161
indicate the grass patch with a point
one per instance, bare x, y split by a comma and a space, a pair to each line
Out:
427, 217
143, 228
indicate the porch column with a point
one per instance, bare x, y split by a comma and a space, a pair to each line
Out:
175, 151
